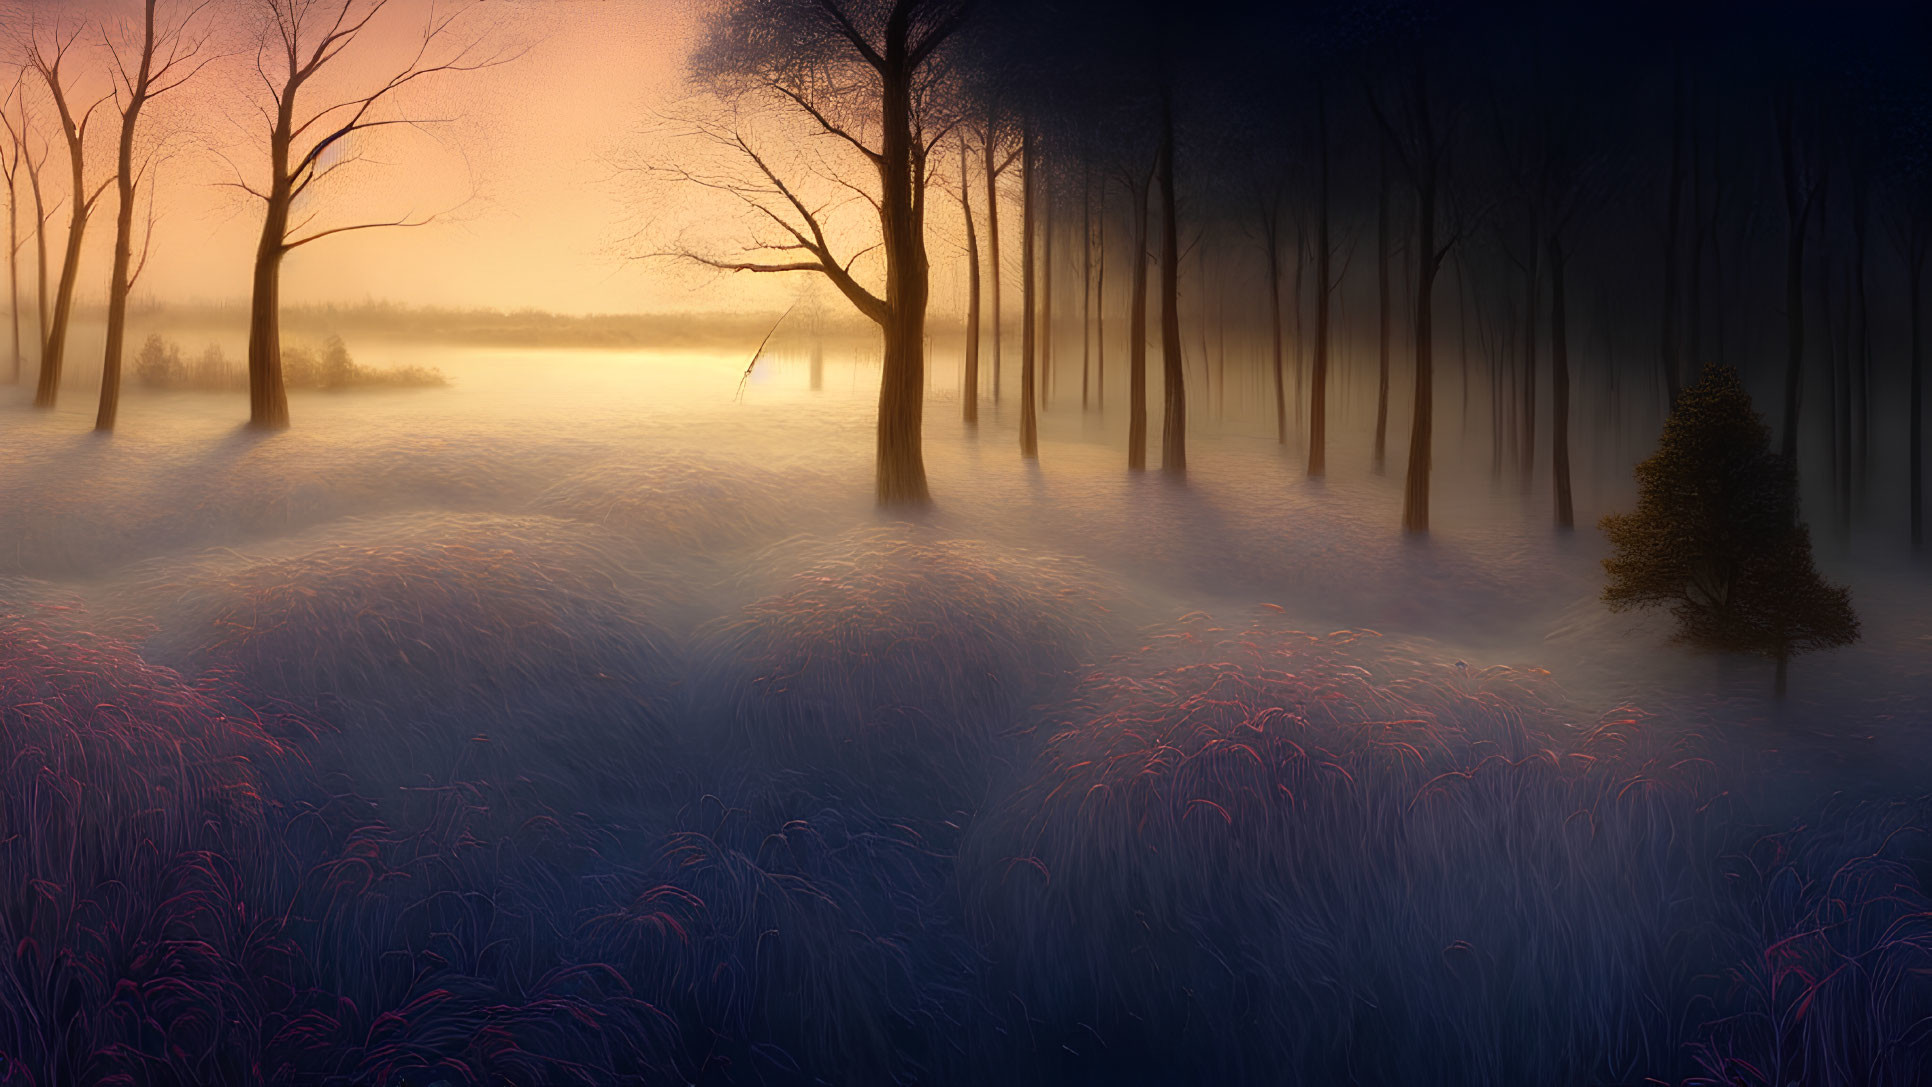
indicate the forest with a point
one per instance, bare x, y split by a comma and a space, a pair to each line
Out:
965, 541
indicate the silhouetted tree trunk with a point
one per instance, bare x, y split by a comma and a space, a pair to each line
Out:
1673, 368
994, 169
80, 208
1384, 308
1029, 420
1860, 363
1422, 162
1174, 390
1559, 388
164, 52
1086, 285
123, 275
1415, 497
1100, 303
1532, 280
1841, 404
1300, 328
10, 166
1271, 248
969, 399
1137, 330
1700, 227
1209, 380
43, 319
267, 395
299, 42
1045, 193
1324, 285
1462, 345
1918, 243
900, 457
1800, 195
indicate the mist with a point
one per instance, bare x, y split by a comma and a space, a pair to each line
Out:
871, 541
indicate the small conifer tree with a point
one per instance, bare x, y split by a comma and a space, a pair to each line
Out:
1716, 536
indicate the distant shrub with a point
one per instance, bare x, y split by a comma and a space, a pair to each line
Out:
159, 365
338, 369
213, 371
300, 369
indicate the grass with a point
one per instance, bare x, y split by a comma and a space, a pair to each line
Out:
475, 797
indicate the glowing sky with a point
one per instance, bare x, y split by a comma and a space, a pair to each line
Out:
529, 162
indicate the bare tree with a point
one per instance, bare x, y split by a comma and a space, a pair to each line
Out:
1174, 385
995, 166
1137, 182
969, 398
1914, 236
300, 40
1421, 142
1324, 289
169, 55
1029, 403
845, 67
1268, 201
12, 157
49, 57
42, 213
1803, 189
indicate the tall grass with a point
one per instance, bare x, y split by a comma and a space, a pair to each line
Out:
893, 660
442, 644
1250, 852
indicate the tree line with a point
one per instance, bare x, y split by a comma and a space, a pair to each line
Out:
1606, 194
318, 82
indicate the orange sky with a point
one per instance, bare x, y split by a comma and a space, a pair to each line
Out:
545, 218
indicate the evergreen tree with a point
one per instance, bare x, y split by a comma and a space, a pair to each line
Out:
1716, 536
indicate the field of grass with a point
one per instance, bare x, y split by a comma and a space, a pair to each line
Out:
583, 724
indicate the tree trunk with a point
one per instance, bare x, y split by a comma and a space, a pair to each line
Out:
1915, 285
43, 320
1086, 287
1533, 274
1137, 336
117, 292
1029, 420
993, 250
1100, 305
1174, 385
1794, 365
900, 470
1673, 367
1700, 229
1209, 380
1299, 335
1046, 294
1858, 365
1273, 249
1559, 389
1318, 380
119, 285
1841, 407
1798, 206
267, 398
969, 397
55, 351
1415, 504
13, 266
1382, 296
